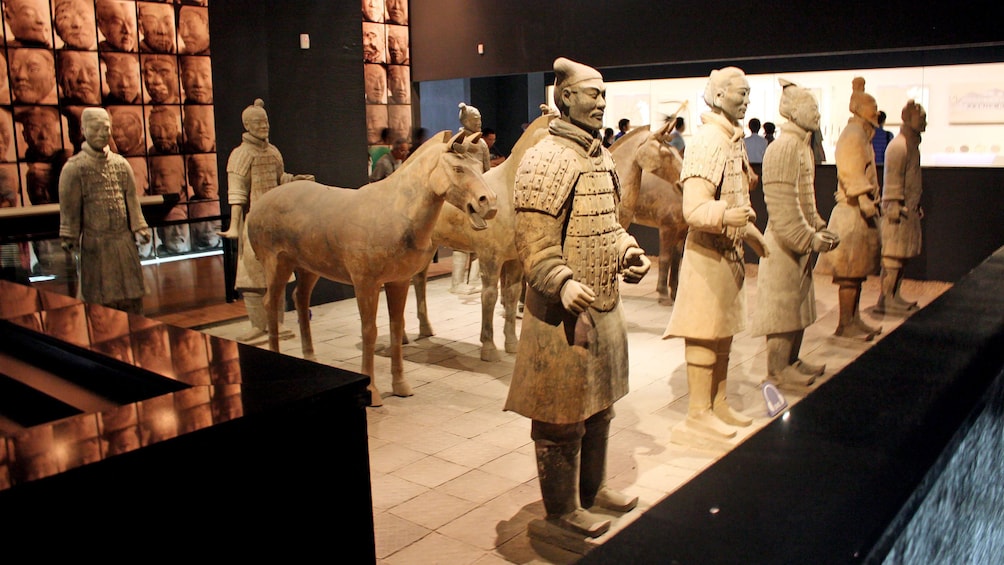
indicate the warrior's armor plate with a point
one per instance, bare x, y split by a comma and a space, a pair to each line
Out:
557, 176
254, 168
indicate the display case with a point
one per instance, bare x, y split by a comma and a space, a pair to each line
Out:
113, 425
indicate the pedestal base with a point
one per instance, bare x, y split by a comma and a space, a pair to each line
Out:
547, 532
684, 434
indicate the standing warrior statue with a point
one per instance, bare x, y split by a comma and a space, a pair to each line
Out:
786, 299
255, 167
901, 234
100, 215
855, 217
711, 300
572, 361
465, 265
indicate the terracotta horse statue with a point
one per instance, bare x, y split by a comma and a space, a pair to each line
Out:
377, 235
651, 195
495, 248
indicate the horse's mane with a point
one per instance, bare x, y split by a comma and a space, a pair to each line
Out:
531, 135
631, 139
434, 142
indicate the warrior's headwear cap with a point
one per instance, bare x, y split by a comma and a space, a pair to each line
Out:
253, 111
569, 73
467, 110
858, 96
91, 113
791, 96
911, 109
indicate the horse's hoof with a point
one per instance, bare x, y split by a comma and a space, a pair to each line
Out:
489, 354
425, 331
375, 399
402, 388
404, 339
511, 346
666, 301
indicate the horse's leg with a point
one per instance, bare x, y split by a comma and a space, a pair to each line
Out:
305, 282
420, 281
666, 246
367, 297
512, 286
397, 296
277, 272
489, 297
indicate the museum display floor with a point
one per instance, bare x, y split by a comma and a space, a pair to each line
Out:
453, 475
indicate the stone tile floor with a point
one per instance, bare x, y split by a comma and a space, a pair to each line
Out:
453, 476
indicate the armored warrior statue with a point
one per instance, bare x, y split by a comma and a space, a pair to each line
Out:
572, 361
901, 190
465, 265
855, 217
786, 299
711, 301
255, 167
100, 216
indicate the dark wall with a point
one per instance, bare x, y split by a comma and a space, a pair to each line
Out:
314, 97
504, 107
523, 36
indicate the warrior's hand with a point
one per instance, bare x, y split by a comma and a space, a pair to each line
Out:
576, 297
867, 206
636, 265
68, 244
739, 216
894, 211
303, 177
824, 240
143, 236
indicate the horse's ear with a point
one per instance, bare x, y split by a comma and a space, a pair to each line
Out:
446, 137
473, 140
455, 143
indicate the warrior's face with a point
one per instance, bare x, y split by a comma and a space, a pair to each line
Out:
586, 103
735, 98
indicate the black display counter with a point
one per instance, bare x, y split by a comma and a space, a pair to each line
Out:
839, 476
118, 432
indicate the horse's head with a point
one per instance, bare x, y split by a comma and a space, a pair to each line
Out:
655, 155
465, 185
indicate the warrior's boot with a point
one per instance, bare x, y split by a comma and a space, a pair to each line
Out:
719, 377
780, 369
890, 301
558, 473
800, 365
851, 325
700, 378
458, 282
254, 302
592, 477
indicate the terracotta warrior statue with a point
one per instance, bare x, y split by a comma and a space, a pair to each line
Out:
901, 211
711, 302
255, 167
572, 361
786, 300
100, 217
855, 217
465, 265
